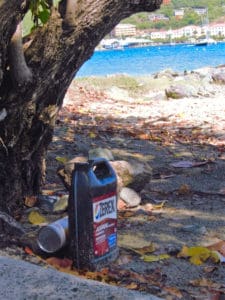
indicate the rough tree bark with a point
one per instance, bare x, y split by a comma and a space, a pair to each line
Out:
55, 54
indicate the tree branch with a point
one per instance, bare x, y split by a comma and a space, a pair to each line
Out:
19, 70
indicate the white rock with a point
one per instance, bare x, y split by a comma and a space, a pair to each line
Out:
130, 197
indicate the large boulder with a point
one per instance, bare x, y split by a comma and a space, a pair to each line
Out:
179, 91
132, 174
219, 77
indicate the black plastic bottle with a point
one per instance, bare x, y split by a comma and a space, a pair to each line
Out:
93, 214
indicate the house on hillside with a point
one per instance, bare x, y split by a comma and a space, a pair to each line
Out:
201, 11
179, 13
157, 17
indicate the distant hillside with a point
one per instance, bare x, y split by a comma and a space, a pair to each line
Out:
216, 12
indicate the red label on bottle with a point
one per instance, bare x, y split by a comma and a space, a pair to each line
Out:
105, 222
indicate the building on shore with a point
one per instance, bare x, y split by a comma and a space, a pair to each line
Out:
192, 31
123, 30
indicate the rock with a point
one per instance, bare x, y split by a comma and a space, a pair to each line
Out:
219, 77
132, 174
100, 152
118, 93
180, 91
130, 197
203, 72
8, 225
166, 73
65, 172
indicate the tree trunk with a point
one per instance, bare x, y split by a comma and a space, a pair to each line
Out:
28, 110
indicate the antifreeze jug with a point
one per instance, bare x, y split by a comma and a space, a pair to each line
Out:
93, 214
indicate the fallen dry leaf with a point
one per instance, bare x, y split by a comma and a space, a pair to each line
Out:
198, 254
92, 135
160, 205
60, 263
220, 247
204, 282
132, 286
144, 250
36, 218
126, 214
61, 159
153, 258
173, 291
28, 251
184, 189
30, 201
209, 269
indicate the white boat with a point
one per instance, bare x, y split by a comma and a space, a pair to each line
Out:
205, 42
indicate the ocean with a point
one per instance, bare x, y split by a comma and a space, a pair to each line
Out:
152, 59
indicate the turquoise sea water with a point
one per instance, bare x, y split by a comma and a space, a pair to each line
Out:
148, 60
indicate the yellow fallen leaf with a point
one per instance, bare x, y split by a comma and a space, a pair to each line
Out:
61, 204
159, 206
153, 258
92, 135
36, 218
191, 251
198, 254
196, 260
62, 159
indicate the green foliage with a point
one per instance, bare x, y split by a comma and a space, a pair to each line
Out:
37, 15
39, 11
